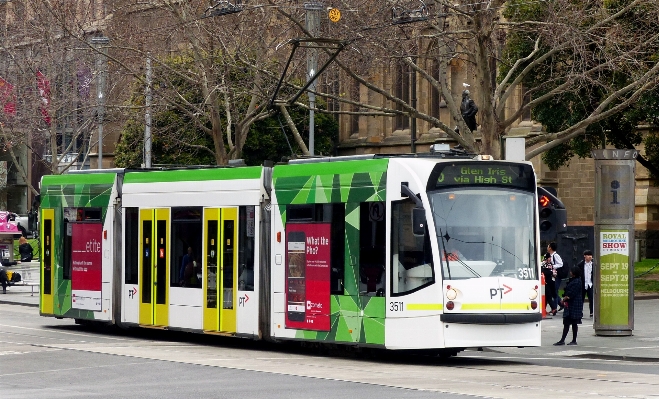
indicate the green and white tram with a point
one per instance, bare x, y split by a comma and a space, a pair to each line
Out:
390, 252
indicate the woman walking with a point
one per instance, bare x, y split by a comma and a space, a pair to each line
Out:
573, 303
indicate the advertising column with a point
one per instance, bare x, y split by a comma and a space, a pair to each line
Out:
614, 239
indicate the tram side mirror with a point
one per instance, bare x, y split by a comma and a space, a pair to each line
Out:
418, 221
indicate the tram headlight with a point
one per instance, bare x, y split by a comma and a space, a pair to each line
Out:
451, 294
533, 294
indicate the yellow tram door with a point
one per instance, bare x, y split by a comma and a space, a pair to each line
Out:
220, 271
154, 267
47, 270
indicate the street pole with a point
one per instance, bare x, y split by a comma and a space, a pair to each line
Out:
412, 116
147, 116
312, 19
101, 63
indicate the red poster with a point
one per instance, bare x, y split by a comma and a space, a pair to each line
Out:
86, 261
308, 276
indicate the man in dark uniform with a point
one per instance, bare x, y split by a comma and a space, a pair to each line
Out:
587, 265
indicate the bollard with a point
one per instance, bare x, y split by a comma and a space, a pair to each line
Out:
544, 300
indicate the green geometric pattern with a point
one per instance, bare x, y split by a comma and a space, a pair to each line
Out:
323, 183
79, 191
354, 318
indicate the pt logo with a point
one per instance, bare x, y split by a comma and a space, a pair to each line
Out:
243, 300
132, 293
500, 291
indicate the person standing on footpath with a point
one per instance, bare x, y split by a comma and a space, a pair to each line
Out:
550, 291
586, 267
573, 303
560, 272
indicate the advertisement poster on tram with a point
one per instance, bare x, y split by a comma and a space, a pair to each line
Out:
86, 260
308, 276
614, 277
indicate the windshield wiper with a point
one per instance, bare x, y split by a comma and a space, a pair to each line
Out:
448, 267
445, 238
466, 266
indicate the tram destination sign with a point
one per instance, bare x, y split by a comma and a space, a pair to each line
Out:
482, 173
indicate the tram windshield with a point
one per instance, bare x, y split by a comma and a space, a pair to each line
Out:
485, 232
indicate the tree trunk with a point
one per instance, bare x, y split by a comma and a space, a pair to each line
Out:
490, 143
218, 139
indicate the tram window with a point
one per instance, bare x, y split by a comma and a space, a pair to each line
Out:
161, 262
147, 278
337, 258
131, 245
301, 212
47, 256
411, 255
92, 214
187, 232
372, 248
67, 233
211, 264
334, 214
246, 233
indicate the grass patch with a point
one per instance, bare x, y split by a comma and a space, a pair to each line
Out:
647, 271
645, 265
31, 241
645, 285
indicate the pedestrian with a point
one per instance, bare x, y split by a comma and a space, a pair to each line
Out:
550, 291
188, 258
573, 304
586, 267
559, 272
25, 250
3, 279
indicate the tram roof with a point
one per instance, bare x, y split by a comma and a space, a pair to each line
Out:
196, 174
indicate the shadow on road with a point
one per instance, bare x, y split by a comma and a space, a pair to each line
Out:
438, 357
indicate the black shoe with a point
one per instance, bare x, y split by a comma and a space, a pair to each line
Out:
559, 343
591, 315
560, 308
573, 343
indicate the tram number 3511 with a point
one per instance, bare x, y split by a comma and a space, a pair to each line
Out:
396, 306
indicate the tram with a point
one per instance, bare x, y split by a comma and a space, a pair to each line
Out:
396, 252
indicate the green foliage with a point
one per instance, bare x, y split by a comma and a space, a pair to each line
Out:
652, 150
266, 140
575, 105
177, 138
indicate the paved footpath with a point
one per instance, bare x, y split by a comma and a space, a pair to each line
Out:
643, 345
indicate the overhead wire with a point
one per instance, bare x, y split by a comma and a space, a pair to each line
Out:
256, 6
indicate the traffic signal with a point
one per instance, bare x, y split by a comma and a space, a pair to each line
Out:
553, 215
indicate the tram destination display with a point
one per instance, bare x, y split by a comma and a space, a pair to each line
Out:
482, 173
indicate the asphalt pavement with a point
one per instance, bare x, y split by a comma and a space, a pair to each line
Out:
642, 345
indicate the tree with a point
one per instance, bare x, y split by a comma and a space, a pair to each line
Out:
571, 46
50, 117
176, 140
575, 46
232, 72
582, 102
